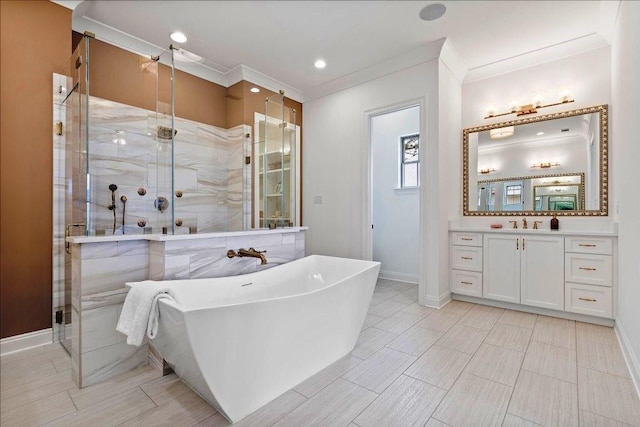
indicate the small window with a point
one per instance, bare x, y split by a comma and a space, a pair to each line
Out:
513, 196
410, 161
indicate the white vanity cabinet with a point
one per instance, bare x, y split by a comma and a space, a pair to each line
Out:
589, 276
466, 264
524, 269
542, 270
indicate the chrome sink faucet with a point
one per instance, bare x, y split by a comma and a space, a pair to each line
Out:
524, 223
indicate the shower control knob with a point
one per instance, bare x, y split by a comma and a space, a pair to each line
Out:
178, 222
142, 222
179, 193
142, 191
161, 203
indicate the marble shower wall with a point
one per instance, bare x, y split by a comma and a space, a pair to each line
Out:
125, 150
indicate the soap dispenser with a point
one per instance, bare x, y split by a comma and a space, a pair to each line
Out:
555, 223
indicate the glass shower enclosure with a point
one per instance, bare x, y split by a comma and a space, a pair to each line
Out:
134, 155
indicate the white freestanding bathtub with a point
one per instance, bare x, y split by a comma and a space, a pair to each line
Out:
242, 341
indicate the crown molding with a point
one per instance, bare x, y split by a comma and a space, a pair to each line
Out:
409, 59
216, 74
565, 49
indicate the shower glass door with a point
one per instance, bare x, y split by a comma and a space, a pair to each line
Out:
69, 184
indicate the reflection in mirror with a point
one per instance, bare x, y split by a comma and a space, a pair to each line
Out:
531, 193
538, 165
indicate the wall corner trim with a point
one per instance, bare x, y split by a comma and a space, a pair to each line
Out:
436, 302
453, 61
630, 356
26, 341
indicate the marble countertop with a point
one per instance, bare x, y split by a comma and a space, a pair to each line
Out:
172, 237
505, 230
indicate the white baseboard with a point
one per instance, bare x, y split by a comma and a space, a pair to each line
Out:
400, 277
25, 341
629, 355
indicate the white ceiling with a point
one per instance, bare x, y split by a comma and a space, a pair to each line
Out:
281, 39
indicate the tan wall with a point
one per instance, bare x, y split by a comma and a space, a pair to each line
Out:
35, 42
242, 103
116, 74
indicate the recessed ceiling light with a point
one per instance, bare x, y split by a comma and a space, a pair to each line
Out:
540, 133
254, 90
320, 63
433, 11
178, 37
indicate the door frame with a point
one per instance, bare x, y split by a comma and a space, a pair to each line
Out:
367, 241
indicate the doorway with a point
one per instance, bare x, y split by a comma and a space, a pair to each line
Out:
395, 191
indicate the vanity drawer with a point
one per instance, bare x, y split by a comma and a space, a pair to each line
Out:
466, 258
466, 282
589, 245
466, 239
587, 268
588, 299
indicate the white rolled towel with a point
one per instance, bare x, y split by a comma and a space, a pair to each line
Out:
140, 310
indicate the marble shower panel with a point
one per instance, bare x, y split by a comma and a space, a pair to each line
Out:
124, 150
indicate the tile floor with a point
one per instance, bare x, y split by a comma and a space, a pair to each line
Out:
463, 365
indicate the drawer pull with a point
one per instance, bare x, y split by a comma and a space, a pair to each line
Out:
588, 299
587, 268
466, 238
585, 245
466, 257
466, 283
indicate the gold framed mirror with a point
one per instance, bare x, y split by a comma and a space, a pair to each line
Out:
556, 164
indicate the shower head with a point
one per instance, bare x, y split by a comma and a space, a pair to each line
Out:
113, 187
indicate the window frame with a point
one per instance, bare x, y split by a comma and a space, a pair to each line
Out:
402, 162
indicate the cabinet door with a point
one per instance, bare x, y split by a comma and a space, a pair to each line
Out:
542, 271
501, 272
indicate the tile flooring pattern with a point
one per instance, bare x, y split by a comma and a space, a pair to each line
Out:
463, 365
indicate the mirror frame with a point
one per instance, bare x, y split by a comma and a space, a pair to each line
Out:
604, 163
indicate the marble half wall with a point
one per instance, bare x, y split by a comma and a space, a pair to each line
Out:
100, 270
99, 274
207, 257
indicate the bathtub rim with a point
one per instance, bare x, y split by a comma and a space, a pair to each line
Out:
176, 305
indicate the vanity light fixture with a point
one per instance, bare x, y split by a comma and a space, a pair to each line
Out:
254, 89
501, 133
536, 104
546, 165
487, 171
178, 37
